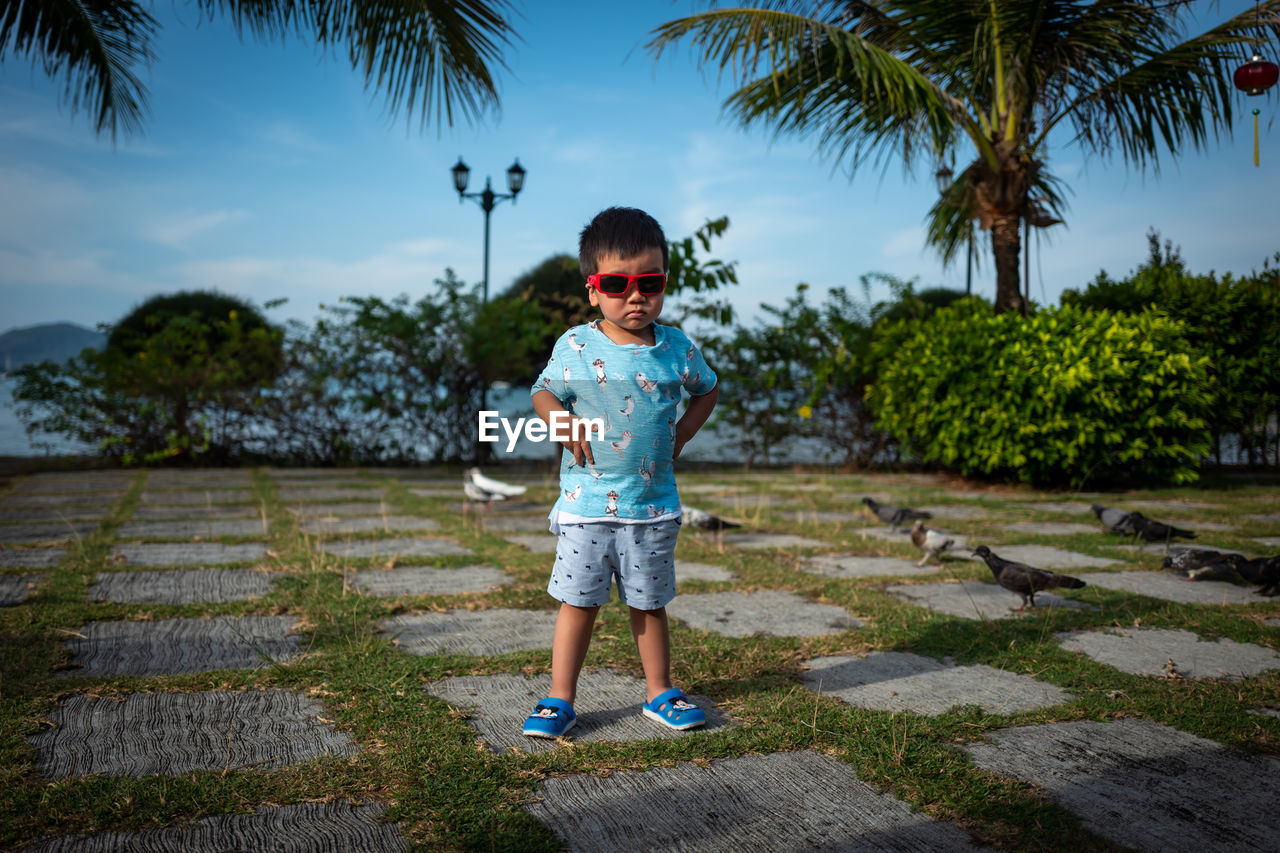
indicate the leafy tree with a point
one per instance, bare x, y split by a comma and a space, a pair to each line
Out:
920, 79
435, 56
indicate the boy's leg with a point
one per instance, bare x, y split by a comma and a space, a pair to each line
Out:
569, 649
653, 641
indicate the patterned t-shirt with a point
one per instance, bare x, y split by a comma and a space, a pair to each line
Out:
634, 390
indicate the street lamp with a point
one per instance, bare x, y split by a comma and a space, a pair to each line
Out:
943, 176
487, 199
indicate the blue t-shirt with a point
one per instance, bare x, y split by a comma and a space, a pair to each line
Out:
634, 390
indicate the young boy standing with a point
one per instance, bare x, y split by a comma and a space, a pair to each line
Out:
618, 512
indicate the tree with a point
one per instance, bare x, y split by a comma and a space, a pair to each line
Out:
918, 79
432, 55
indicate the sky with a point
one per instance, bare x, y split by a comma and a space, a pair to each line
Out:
268, 171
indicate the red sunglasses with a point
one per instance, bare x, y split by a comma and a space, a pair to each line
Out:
617, 284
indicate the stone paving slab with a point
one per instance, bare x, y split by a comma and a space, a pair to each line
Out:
1148, 651
1274, 623
400, 547
1170, 587
299, 828
686, 570
1049, 528
771, 540
17, 501
1161, 548
54, 515
778, 802
857, 566
196, 497
1266, 517
608, 708
978, 600
955, 512
1043, 557
202, 529
191, 512
471, 632
538, 543
517, 524
310, 494
384, 524
14, 589
32, 558
175, 733
709, 488
822, 516
208, 478
190, 554
1166, 505
181, 586
436, 491
353, 509
1144, 785
741, 501
428, 580
1269, 541
63, 481
1065, 507
901, 535
775, 612
306, 474
899, 681
171, 646
28, 534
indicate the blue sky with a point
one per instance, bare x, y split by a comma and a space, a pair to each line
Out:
266, 170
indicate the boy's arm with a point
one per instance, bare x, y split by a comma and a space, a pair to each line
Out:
695, 415
579, 443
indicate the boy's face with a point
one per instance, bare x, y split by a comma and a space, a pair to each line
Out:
633, 312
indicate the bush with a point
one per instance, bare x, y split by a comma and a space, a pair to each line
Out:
1064, 397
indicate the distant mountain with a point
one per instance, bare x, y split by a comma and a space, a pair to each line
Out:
46, 342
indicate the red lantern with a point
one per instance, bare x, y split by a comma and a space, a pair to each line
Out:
1255, 77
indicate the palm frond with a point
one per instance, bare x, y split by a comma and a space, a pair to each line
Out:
96, 45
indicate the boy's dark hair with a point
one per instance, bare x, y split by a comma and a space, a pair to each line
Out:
621, 231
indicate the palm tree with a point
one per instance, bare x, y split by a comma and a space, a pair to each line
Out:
875, 79
432, 55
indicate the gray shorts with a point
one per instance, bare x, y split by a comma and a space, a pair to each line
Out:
590, 555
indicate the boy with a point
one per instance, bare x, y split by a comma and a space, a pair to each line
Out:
618, 512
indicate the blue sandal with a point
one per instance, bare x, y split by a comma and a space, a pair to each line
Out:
551, 718
674, 711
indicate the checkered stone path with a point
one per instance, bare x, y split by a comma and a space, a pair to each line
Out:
205, 497
1148, 651
353, 509
608, 708
394, 548
899, 681
471, 632
300, 828
782, 801
172, 646
29, 534
978, 600
14, 589
741, 614
388, 524
201, 529
181, 586
857, 566
770, 540
175, 733
429, 580
33, 558
1143, 785
1170, 587
190, 554
193, 512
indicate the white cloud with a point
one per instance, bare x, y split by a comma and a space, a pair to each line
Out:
177, 231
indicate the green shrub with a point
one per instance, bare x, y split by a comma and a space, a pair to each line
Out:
1066, 396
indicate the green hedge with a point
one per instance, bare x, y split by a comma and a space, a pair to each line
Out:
1064, 397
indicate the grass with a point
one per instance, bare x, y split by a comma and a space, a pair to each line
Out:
420, 755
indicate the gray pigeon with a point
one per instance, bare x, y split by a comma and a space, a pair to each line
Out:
931, 542
1151, 530
1264, 571
700, 520
1115, 520
1199, 563
894, 515
1023, 579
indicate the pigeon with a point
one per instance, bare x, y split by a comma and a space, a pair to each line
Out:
931, 542
894, 515
1198, 563
1151, 530
700, 520
1264, 571
1023, 579
1115, 520
484, 490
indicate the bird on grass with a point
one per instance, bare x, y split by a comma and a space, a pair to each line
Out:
930, 541
701, 520
1200, 563
485, 490
1115, 520
1025, 580
894, 515
1150, 530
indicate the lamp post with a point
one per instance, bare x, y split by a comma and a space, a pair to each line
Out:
488, 200
943, 176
